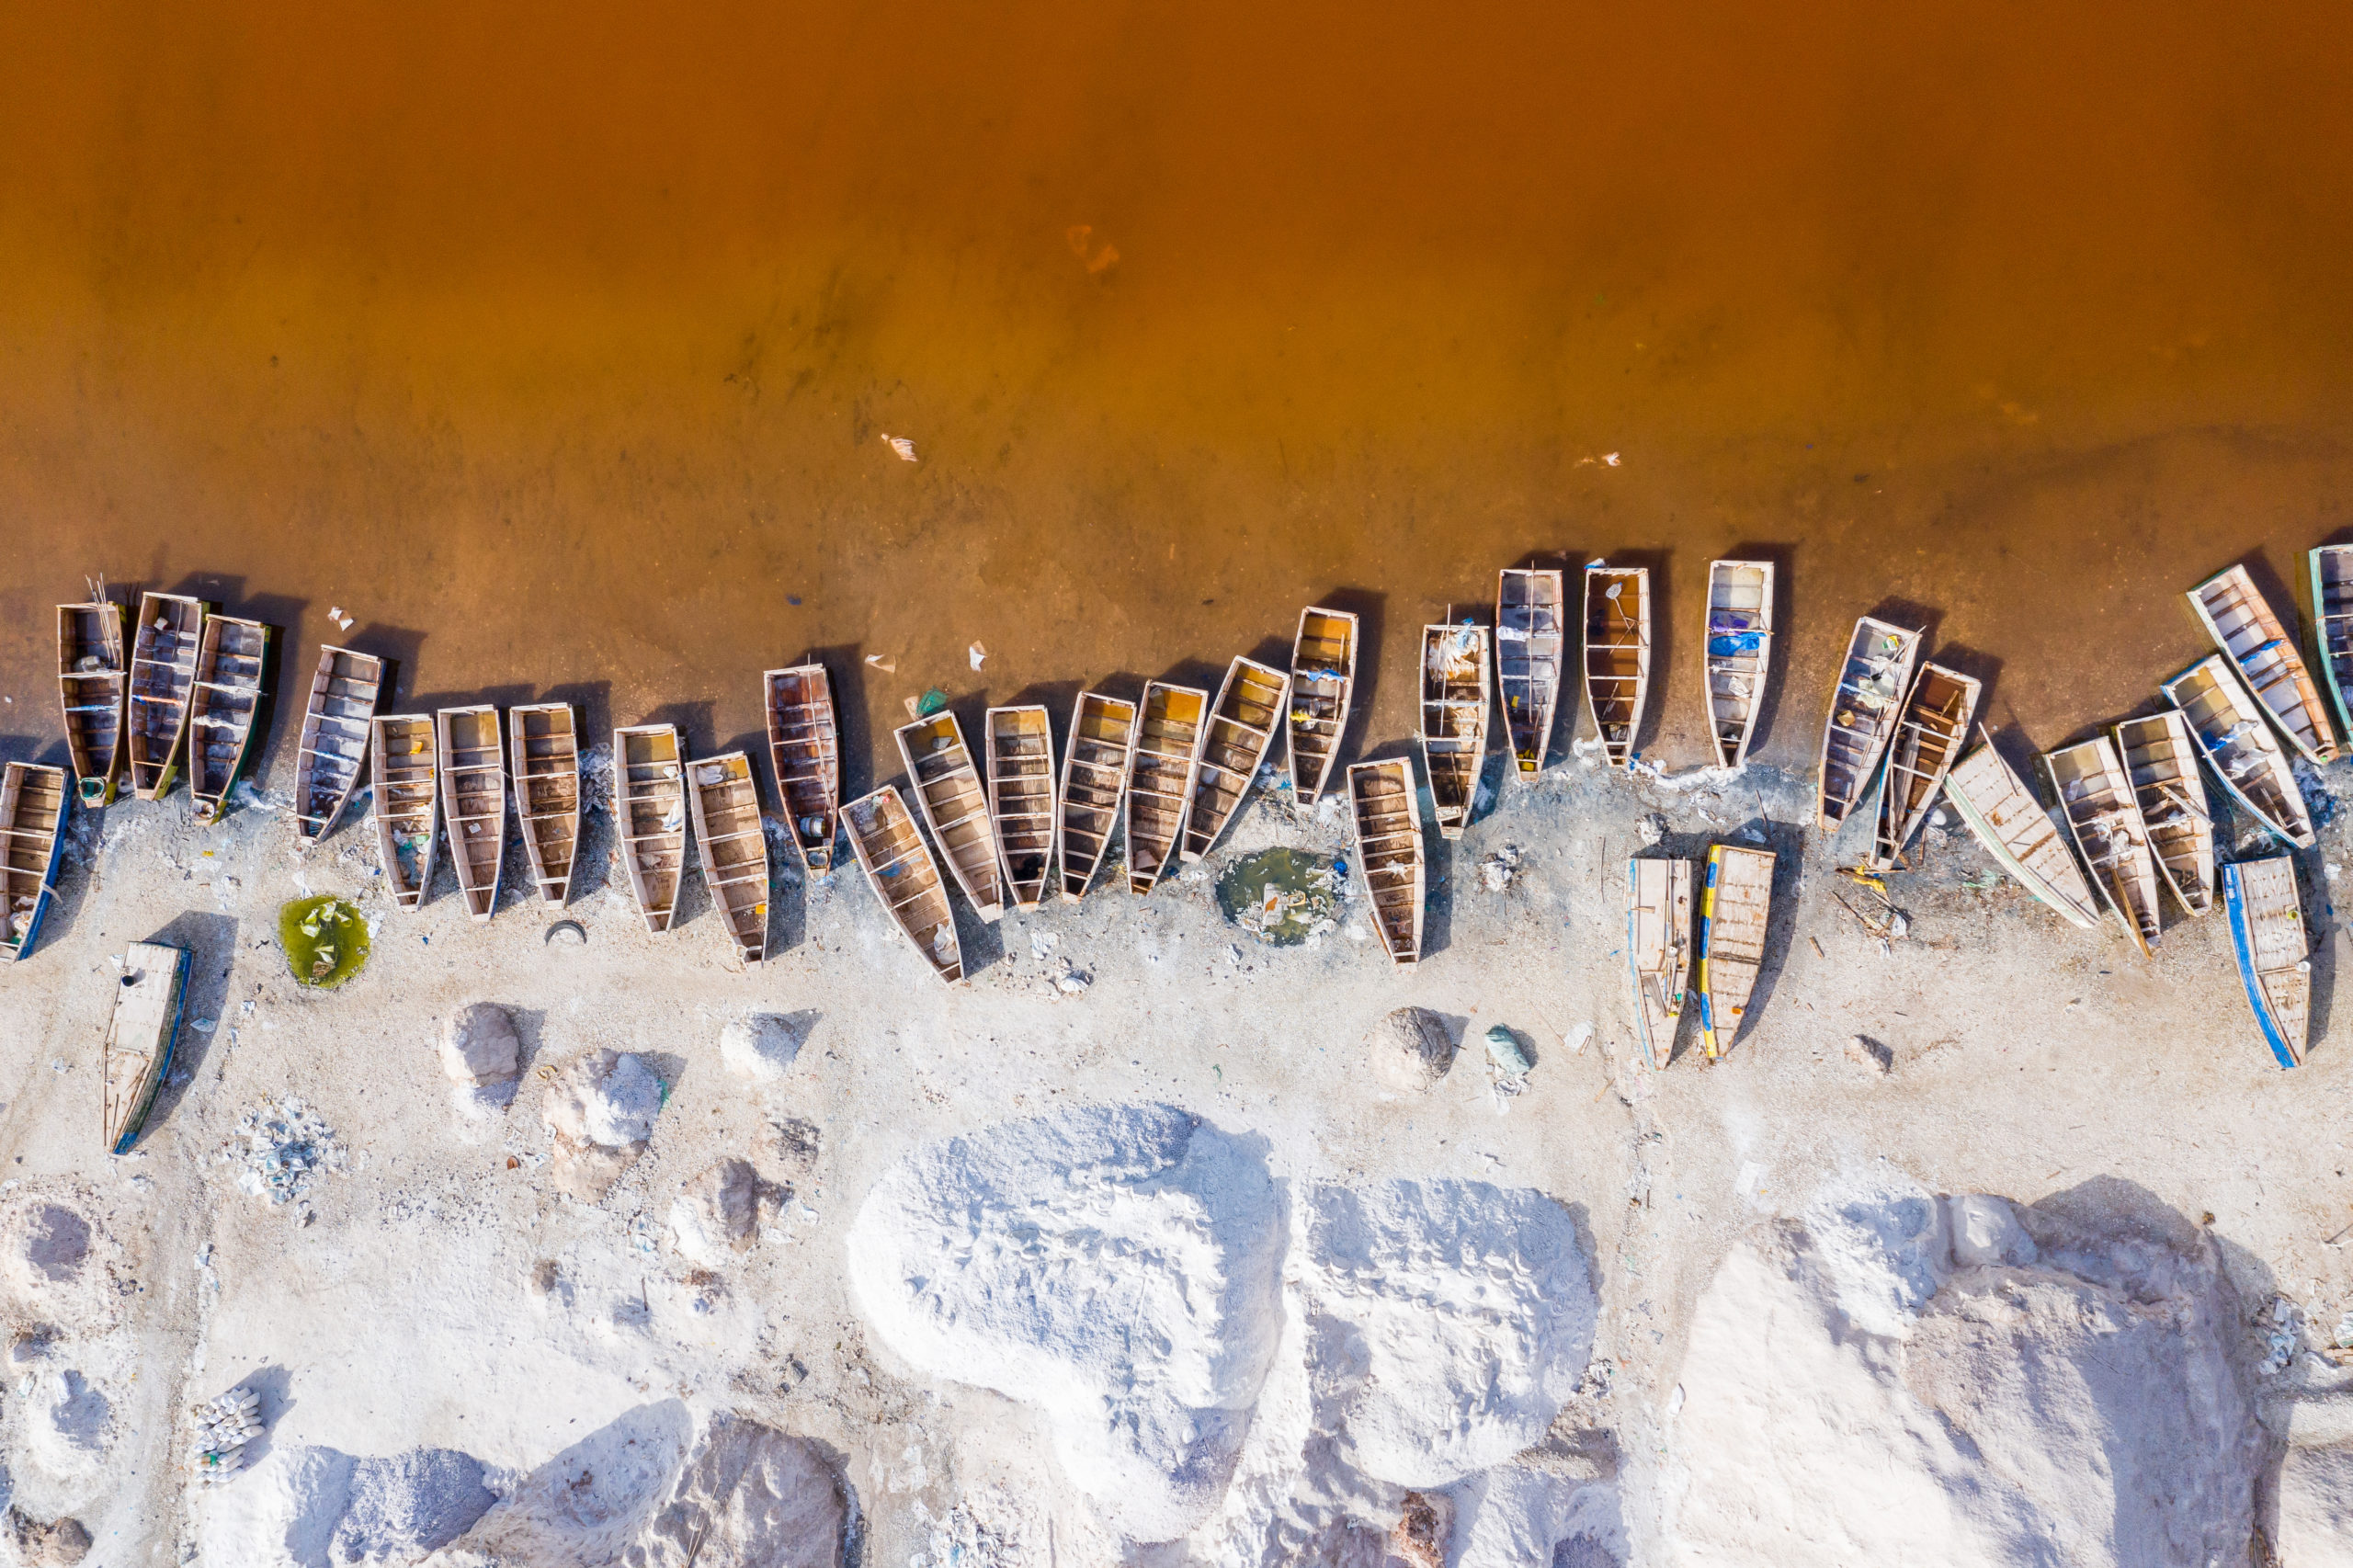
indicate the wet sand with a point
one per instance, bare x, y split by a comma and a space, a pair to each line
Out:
558, 349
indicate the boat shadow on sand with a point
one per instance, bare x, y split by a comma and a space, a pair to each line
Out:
211, 943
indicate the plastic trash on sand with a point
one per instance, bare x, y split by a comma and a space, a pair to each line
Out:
1505, 1050
933, 702
904, 449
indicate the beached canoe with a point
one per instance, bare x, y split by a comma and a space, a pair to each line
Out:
2160, 760
1531, 627
93, 676
1872, 681
472, 755
955, 806
1384, 809
2332, 574
1735, 908
733, 846
32, 834
806, 750
1160, 777
2244, 625
1322, 685
1019, 745
1094, 778
2095, 797
344, 688
1243, 725
2273, 948
650, 815
1454, 721
1616, 656
405, 782
898, 867
1658, 949
543, 750
1737, 654
141, 1037
2011, 823
223, 707
1929, 734
163, 679
2240, 748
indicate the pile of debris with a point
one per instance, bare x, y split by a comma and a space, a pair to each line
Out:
278, 1146
225, 1426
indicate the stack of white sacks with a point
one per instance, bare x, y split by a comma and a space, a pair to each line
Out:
225, 1426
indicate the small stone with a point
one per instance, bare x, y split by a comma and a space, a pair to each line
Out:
1650, 829
1411, 1049
1505, 1050
1986, 1233
63, 1543
1071, 981
479, 1047
717, 1213
1870, 1055
1425, 1524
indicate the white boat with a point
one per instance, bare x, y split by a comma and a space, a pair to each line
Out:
650, 816
2244, 626
472, 756
2095, 797
806, 750
33, 807
2240, 748
1243, 723
2015, 829
1616, 656
1738, 654
1872, 681
543, 749
1095, 781
724, 800
2269, 937
163, 681
1928, 740
1736, 910
406, 785
223, 707
2160, 760
1532, 628
898, 867
93, 672
954, 805
1454, 721
1323, 688
1658, 950
1020, 743
1160, 777
140, 1038
342, 699
1384, 810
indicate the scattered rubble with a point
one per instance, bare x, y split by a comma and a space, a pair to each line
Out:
279, 1146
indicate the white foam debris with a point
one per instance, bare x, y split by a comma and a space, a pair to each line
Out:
279, 1147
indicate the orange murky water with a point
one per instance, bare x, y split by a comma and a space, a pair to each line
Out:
557, 345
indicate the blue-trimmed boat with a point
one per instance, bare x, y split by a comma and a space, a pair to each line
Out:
2269, 937
32, 834
146, 1028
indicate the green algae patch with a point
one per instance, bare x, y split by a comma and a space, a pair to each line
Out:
1282, 896
326, 939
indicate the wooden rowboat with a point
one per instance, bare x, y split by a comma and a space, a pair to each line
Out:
406, 785
2332, 574
1735, 908
163, 679
141, 1037
650, 813
1658, 949
1160, 777
1385, 812
955, 806
2160, 760
2095, 797
2269, 937
1531, 623
543, 749
2240, 748
734, 847
93, 678
2244, 626
1872, 681
222, 708
1454, 721
2015, 829
1020, 746
1249, 710
1737, 643
806, 750
900, 869
1617, 654
1095, 777
1322, 685
32, 834
472, 758
335, 737
1929, 734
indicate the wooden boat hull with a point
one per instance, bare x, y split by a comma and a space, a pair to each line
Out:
1736, 911
2161, 758
2269, 938
1019, 745
2250, 633
955, 807
223, 709
335, 724
1532, 626
1323, 689
1243, 723
805, 752
1455, 672
1161, 770
2095, 797
1385, 815
1658, 950
1095, 782
1616, 656
1872, 681
163, 677
2015, 829
650, 815
1925, 742
2332, 579
734, 847
2240, 749
407, 779
93, 687
472, 753
901, 870
140, 1039
543, 746
1736, 640
34, 804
